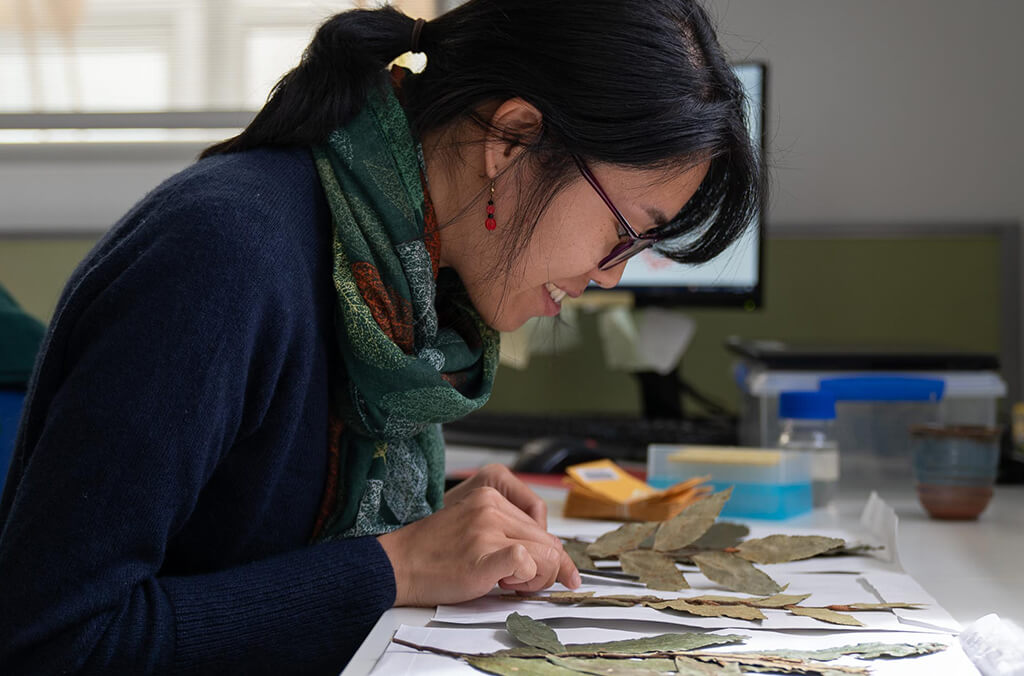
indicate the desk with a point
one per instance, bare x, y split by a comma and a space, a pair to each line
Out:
972, 568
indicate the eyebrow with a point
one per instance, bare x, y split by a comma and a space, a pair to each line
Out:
657, 215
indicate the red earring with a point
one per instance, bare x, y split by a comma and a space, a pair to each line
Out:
490, 223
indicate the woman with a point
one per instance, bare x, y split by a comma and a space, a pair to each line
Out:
230, 456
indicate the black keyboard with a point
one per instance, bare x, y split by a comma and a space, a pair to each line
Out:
627, 436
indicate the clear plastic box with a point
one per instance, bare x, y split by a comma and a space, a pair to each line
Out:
871, 435
767, 483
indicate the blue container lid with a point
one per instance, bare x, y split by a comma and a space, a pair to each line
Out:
884, 388
817, 405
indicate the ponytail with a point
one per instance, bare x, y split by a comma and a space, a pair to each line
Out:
345, 59
630, 84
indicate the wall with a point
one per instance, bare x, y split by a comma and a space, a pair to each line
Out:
889, 112
881, 113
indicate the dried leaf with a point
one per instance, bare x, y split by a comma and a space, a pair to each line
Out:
883, 606
517, 666
783, 548
607, 601
738, 612
655, 570
520, 651
691, 523
826, 615
621, 600
853, 550
609, 667
734, 573
660, 643
864, 651
687, 666
529, 631
623, 539
776, 601
577, 551
720, 535
762, 661
570, 596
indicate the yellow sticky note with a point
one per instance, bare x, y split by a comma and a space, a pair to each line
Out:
608, 480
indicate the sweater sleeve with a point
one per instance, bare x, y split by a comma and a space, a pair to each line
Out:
158, 361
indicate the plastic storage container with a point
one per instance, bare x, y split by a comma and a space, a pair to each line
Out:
874, 415
807, 421
766, 483
969, 398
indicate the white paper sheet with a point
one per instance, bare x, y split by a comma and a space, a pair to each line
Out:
825, 589
404, 660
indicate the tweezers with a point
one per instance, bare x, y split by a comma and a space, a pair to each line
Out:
611, 574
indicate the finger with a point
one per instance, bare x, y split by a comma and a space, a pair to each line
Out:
548, 563
514, 523
516, 491
513, 563
523, 497
567, 572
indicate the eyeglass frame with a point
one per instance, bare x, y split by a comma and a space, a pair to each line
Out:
637, 242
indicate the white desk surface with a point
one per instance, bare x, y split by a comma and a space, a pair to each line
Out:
972, 568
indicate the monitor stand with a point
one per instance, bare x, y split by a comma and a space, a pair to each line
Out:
661, 395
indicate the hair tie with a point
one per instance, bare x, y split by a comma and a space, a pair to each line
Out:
417, 28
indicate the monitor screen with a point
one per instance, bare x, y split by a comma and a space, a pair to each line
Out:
733, 279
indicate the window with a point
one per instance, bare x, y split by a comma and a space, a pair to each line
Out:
69, 69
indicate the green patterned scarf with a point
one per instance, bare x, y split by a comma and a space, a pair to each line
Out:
413, 351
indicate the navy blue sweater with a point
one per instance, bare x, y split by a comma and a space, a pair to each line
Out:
173, 452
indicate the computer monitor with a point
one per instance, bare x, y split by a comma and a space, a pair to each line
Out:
732, 279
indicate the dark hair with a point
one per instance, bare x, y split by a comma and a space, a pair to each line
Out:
637, 84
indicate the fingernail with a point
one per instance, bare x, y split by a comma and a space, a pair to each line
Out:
576, 581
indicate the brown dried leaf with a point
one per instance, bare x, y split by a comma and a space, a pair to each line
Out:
738, 612
853, 550
734, 573
570, 596
623, 539
687, 666
655, 570
776, 601
577, 551
826, 615
885, 606
691, 523
607, 601
783, 548
720, 535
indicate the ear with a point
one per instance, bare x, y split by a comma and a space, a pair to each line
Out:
514, 124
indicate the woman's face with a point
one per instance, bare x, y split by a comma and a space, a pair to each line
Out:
575, 233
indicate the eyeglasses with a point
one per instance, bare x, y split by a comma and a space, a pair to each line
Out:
622, 251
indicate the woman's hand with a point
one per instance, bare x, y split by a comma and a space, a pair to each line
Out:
505, 482
473, 543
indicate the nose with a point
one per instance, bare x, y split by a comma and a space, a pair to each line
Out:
608, 279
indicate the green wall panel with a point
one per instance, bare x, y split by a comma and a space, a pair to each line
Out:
937, 291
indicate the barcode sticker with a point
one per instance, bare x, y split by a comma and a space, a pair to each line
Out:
589, 474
